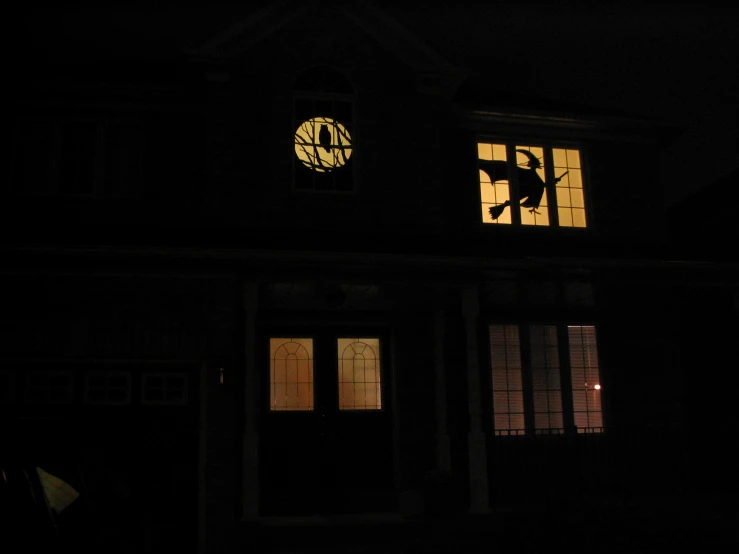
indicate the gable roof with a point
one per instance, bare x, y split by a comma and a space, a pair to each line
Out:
376, 22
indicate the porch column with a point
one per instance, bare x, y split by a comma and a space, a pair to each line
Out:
443, 456
478, 463
250, 438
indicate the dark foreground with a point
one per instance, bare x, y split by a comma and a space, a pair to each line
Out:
647, 526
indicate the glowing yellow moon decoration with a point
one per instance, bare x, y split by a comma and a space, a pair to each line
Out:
323, 144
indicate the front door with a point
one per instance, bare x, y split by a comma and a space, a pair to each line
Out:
326, 433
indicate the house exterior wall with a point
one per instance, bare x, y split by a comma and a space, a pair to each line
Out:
155, 279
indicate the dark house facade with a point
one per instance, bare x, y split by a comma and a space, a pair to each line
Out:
311, 266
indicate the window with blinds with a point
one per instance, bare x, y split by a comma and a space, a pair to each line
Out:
545, 379
585, 378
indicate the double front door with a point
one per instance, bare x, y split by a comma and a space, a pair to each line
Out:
326, 428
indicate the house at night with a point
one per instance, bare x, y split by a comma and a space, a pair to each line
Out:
309, 264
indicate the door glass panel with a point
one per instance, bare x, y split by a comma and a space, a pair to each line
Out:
359, 374
291, 374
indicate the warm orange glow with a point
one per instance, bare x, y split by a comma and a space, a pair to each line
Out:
597, 387
570, 199
493, 194
540, 215
322, 144
291, 374
359, 374
530, 176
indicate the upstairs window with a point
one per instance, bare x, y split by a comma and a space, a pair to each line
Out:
324, 138
524, 184
77, 157
546, 379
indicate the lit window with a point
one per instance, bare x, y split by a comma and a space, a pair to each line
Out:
291, 374
529, 376
531, 185
323, 144
359, 374
324, 141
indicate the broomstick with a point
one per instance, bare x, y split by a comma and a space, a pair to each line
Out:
496, 211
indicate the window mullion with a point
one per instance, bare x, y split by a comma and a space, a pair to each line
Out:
551, 187
565, 376
513, 185
526, 380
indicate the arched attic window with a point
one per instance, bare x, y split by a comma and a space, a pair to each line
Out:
323, 119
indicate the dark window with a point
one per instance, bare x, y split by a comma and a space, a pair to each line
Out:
78, 157
7, 390
108, 387
49, 387
164, 388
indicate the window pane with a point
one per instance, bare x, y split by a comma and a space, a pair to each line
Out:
531, 178
505, 360
573, 158
6, 387
484, 151
164, 388
565, 217
560, 158
586, 389
35, 156
77, 171
494, 185
577, 200
563, 197
122, 158
291, 374
108, 387
50, 387
578, 217
359, 373
545, 375
569, 188
496, 196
